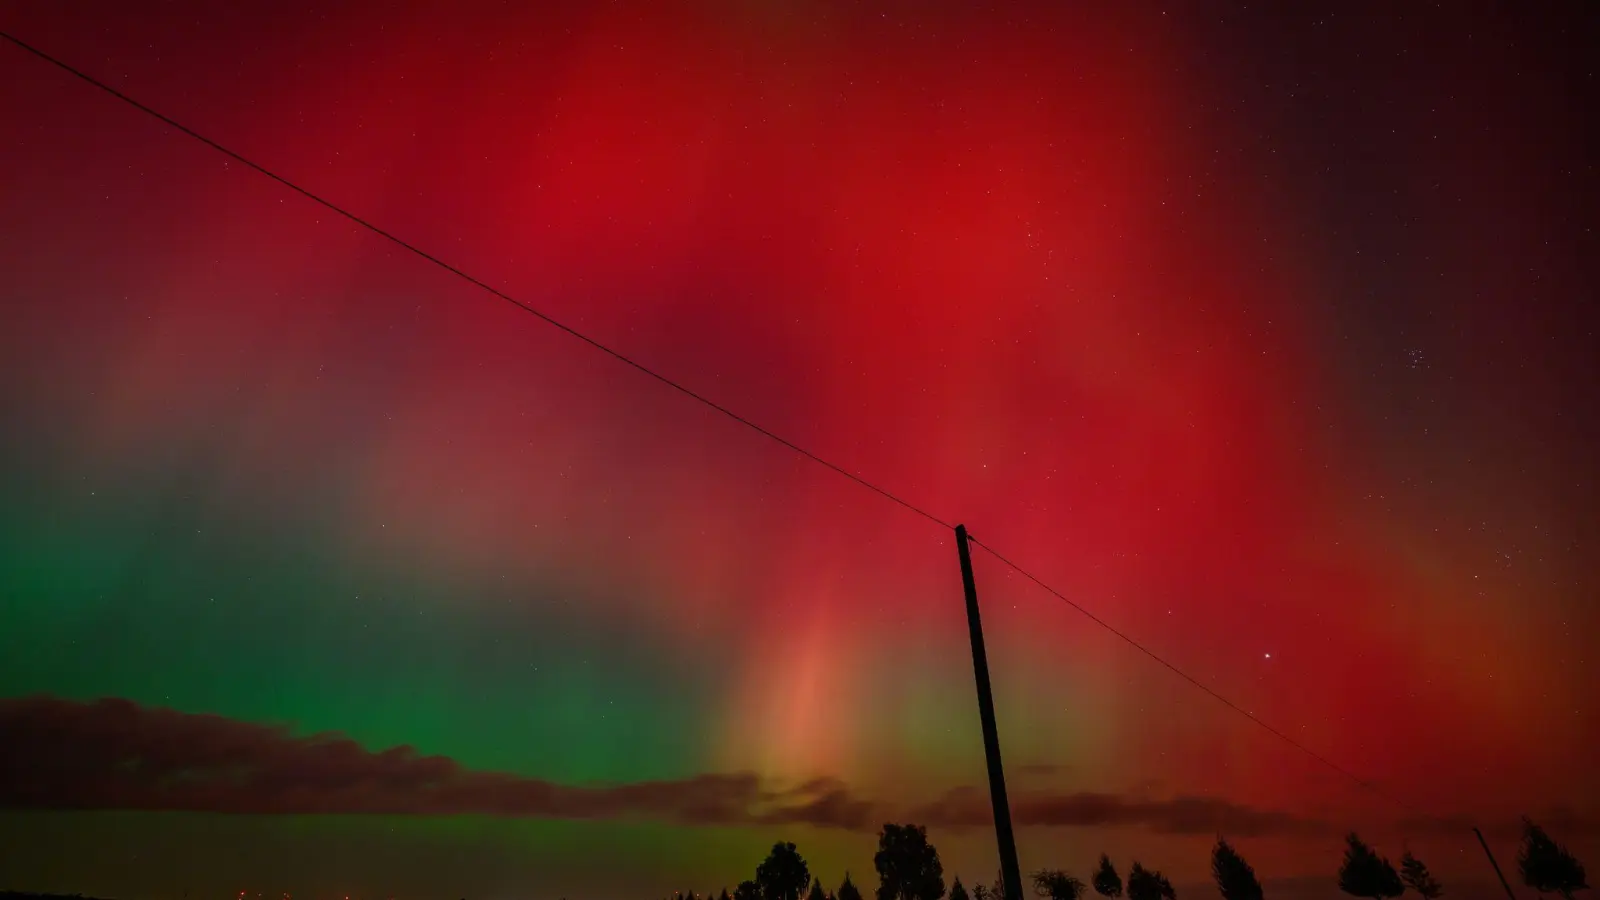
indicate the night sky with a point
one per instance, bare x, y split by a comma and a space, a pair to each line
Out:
1264, 334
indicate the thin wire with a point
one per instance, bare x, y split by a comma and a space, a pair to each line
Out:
549, 320
546, 318
1192, 680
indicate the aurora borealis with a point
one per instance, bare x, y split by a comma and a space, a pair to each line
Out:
1264, 335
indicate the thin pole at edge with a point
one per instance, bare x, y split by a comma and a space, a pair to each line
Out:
1501, 875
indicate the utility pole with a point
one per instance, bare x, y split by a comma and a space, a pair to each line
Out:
1503, 883
1010, 872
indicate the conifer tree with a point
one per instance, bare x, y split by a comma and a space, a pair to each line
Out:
1366, 874
1417, 877
1107, 883
1547, 866
1235, 877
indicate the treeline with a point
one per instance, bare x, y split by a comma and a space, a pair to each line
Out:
908, 868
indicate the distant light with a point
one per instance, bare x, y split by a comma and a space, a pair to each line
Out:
1269, 656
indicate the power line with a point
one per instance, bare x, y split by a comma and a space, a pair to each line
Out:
548, 319
1359, 781
686, 391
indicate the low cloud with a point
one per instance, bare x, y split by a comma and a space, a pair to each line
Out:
1040, 770
1560, 822
114, 754
969, 807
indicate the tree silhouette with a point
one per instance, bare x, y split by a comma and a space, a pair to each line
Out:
724, 895
747, 890
783, 875
1416, 876
1107, 883
1054, 884
817, 893
848, 889
997, 891
1235, 878
1148, 884
908, 866
1366, 874
957, 891
1546, 866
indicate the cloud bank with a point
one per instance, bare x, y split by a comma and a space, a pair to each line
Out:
968, 807
113, 754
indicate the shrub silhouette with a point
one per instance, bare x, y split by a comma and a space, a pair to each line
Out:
958, 891
817, 893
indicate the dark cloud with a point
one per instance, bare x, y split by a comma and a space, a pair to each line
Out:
1039, 770
115, 754
969, 807
1559, 822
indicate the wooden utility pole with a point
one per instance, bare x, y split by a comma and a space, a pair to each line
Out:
1010, 872
1503, 883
